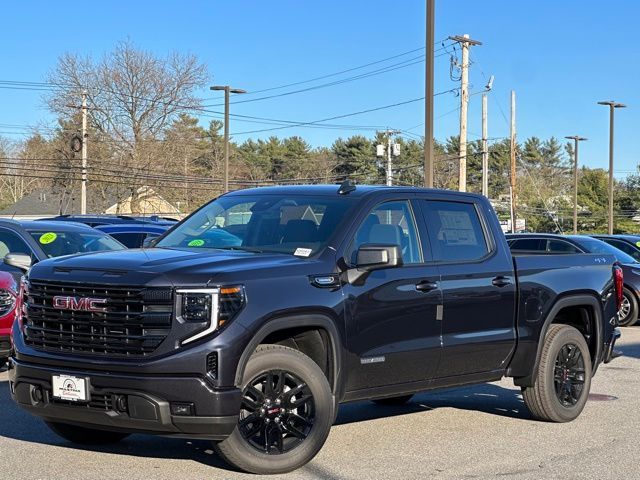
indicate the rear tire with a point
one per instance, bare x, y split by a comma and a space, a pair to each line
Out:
630, 307
278, 431
562, 384
86, 436
393, 401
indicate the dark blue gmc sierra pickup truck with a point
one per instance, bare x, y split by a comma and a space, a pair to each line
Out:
250, 321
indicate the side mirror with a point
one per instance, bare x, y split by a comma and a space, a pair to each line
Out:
377, 256
18, 260
150, 241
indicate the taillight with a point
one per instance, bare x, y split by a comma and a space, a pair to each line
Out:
618, 282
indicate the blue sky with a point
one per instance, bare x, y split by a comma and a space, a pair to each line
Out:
559, 57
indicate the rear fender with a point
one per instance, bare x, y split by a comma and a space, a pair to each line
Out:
527, 358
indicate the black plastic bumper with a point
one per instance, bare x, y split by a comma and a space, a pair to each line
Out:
5, 346
129, 403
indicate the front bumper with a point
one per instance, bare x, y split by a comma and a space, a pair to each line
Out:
148, 402
5, 344
609, 353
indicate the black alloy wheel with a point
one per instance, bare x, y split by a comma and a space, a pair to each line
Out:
569, 375
278, 412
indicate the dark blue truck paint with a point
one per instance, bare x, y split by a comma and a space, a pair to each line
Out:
393, 331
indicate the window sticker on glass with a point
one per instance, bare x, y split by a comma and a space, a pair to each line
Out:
637, 244
456, 228
47, 238
302, 252
198, 242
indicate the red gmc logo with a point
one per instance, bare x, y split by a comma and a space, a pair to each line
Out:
84, 304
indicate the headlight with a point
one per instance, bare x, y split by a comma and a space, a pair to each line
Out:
210, 306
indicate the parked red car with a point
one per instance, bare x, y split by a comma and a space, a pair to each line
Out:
8, 309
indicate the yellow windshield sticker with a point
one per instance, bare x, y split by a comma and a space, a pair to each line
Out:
637, 244
47, 238
198, 242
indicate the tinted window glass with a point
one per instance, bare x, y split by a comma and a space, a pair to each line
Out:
390, 223
56, 244
625, 247
455, 231
12, 243
530, 244
297, 224
559, 246
592, 245
129, 240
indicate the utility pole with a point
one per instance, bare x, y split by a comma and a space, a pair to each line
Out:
227, 92
512, 189
612, 106
576, 139
485, 148
83, 191
465, 42
428, 96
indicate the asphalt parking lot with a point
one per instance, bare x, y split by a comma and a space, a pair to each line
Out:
478, 432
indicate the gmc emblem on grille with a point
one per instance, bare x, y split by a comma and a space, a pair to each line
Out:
83, 304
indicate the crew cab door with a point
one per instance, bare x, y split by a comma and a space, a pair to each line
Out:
393, 335
478, 285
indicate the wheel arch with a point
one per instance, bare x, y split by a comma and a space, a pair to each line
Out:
291, 323
588, 303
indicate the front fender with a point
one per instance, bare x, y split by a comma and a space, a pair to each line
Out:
297, 321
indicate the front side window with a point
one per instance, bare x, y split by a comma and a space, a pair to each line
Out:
455, 231
12, 243
57, 244
298, 224
389, 223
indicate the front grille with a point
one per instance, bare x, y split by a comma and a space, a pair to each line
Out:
98, 401
134, 323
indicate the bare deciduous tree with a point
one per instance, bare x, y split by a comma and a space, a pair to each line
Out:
132, 96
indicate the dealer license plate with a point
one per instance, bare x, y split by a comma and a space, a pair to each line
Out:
66, 387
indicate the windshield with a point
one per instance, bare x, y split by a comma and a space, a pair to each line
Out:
598, 246
298, 225
56, 244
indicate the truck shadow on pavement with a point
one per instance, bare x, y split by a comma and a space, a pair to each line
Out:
631, 350
487, 398
18, 424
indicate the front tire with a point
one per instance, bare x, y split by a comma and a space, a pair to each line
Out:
562, 384
86, 436
286, 413
628, 314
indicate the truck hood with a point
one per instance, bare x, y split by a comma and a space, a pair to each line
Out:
165, 267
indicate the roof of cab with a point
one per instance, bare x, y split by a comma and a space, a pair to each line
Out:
40, 225
321, 190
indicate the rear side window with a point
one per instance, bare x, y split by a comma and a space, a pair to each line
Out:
527, 245
560, 246
455, 231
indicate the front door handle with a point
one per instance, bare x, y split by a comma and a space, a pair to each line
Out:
426, 286
501, 281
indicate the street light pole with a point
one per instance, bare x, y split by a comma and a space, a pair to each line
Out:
576, 139
227, 92
612, 106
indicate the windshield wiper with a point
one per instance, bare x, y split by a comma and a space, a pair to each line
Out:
240, 248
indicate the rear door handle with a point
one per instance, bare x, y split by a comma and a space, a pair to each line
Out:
426, 286
501, 281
